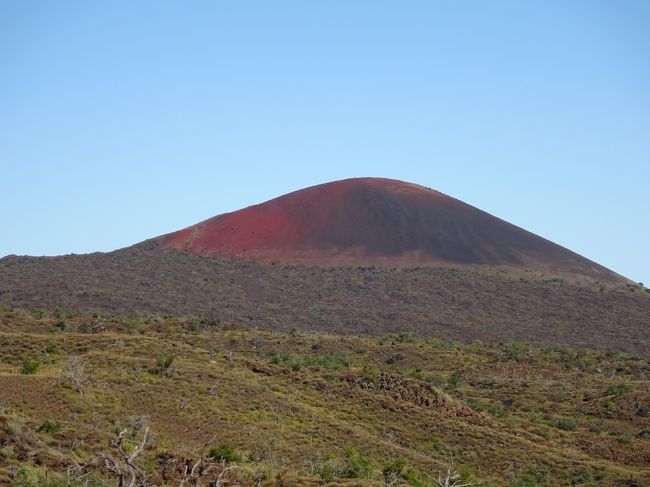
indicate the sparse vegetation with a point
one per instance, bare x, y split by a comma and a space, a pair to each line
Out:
230, 402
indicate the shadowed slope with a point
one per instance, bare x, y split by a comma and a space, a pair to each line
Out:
368, 221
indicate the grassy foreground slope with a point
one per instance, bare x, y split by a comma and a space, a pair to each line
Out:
429, 302
306, 409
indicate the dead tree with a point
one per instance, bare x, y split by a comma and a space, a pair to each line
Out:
452, 478
194, 474
183, 402
212, 390
99, 325
74, 372
122, 465
392, 479
204, 471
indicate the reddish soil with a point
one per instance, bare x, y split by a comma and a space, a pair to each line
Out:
375, 221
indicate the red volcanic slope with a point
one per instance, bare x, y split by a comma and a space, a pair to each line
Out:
376, 221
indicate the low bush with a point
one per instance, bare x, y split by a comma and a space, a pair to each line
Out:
566, 424
29, 366
162, 365
357, 465
7, 451
328, 469
401, 471
371, 373
396, 357
329, 361
49, 427
533, 477
225, 453
618, 389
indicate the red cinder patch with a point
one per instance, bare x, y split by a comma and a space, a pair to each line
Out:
375, 221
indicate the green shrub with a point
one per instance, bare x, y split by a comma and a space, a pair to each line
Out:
328, 470
437, 444
609, 405
225, 452
497, 411
401, 470
29, 366
417, 374
49, 427
533, 477
618, 389
512, 352
540, 433
15, 425
165, 362
162, 365
566, 424
358, 466
625, 439
404, 337
396, 357
453, 381
7, 451
329, 361
581, 476
39, 476
37, 313
370, 373
475, 405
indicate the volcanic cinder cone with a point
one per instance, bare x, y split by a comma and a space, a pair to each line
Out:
376, 221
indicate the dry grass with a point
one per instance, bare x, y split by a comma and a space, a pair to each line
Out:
291, 404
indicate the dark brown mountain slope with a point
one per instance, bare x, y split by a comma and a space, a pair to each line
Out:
375, 221
431, 302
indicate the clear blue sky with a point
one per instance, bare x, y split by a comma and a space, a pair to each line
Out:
123, 120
